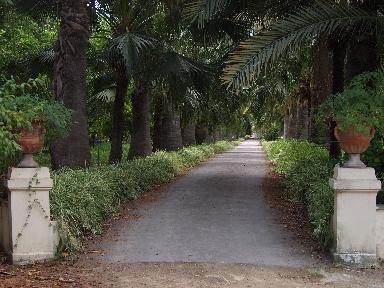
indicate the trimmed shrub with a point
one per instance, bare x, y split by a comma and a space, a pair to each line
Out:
82, 199
306, 168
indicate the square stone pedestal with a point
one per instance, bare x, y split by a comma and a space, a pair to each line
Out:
354, 221
28, 234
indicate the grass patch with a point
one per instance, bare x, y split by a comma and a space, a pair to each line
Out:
82, 199
306, 168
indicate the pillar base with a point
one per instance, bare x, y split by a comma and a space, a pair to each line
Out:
354, 220
358, 260
29, 235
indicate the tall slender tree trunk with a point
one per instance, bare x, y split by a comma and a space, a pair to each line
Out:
290, 123
321, 85
302, 122
362, 56
286, 125
70, 83
303, 112
210, 138
117, 133
171, 135
167, 134
201, 134
189, 134
141, 145
339, 53
158, 126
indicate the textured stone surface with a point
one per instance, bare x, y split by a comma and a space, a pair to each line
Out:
355, 216
32, 234
380, 232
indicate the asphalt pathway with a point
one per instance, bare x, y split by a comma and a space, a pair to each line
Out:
215, 214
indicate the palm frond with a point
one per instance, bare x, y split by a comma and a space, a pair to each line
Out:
128, 47
38, 63
107, 96
180, 68
203, 11
260, 51
6, 2
36, 8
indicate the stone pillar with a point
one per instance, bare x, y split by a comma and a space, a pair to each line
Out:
32, 236
354, 220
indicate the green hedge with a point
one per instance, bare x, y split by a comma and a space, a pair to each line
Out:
306, 168
82, 199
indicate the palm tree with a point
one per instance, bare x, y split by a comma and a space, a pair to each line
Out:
179, 76
70, 82
350, 27
129, 23
282, 36
69, 73
139, 56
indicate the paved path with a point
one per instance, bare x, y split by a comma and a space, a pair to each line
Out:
215, 214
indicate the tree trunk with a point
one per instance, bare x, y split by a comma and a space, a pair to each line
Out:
303, 113
117, 133
189, 135
339, 53
171, 136
210, 138
321, 86
216, 136
70, 83
158, 126
286, 125
141, 131
362, 56
290, 124
302, 123
201, 134
167, 134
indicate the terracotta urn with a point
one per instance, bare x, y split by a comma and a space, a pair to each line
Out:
31, 141
354, 143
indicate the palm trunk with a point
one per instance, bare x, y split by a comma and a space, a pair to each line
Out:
141, 131
117, 133
167, 130
290, 124
171, 136
210, 138
303, 113
362, 56
302, 123
321, 85
339, 53
158, 126
70, 83
201, 134
216, 136
286, 125
189, 134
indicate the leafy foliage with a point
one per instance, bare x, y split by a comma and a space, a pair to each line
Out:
307, 168
374, 157
360, 105
82, 199
203, 11
289, 33
22, 103
21, 39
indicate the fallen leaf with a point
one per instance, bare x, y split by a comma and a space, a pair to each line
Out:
66, 280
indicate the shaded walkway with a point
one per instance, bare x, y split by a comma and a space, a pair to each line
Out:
216, 213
